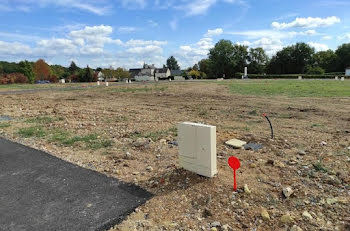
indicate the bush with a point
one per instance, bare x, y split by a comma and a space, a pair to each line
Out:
13, 78
316, 70
53, 79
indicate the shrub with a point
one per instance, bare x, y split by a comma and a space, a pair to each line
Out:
13, 78
316, 70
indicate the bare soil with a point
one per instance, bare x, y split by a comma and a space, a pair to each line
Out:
309, 153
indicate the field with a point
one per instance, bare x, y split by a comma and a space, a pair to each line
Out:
124, 131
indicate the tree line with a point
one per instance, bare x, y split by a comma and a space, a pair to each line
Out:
31, 72
228, 60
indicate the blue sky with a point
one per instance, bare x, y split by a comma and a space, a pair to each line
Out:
127, 33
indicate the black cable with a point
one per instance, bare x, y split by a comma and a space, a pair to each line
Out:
270, 124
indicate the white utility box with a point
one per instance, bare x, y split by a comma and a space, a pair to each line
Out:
197, 148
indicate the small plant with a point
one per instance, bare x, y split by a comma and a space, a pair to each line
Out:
5, 125
40, 120
316, 125
319, 166
254, 112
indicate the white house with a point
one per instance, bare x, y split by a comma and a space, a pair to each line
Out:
162, 73
347, 71
100, 76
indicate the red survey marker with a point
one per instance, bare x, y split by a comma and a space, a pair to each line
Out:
234, 164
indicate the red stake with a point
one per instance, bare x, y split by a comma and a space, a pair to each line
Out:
234, 163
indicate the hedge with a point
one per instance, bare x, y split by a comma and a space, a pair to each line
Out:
289, 76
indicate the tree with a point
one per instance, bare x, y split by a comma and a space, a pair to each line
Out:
171, 63
292, 60
327, 60
41, 70
86, 75
122, 73
195, 67
73, 68
59, 71
204, 66
27, 70
194, 73
343, 53
226, 59
257, 60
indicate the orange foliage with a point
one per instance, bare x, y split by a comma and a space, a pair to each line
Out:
13, 78
41, 70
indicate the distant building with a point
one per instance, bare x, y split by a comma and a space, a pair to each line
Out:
347, 71
149, 73
177, 75
100, 76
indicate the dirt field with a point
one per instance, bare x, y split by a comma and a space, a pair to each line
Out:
124, 131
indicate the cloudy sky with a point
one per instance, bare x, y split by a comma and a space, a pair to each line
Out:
127, 33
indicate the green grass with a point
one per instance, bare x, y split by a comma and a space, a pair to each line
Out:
290, 88
319, 166
5, 125
32, 132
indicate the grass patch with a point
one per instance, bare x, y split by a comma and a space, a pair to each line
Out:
32, 132
316, 125
5, 125
319, 166
291, 88
41, 120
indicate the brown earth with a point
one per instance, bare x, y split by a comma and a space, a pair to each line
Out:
317, 173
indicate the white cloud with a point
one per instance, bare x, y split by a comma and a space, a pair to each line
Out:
90, 6
270, 45
309, 22
318, 46
150, 49
215, 32
14, 48
126, 29
343, 37
327, 37
138, 42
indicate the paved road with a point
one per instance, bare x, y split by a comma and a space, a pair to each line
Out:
41, 192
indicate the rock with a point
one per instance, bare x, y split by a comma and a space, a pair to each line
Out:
286, 219
149, 168
215, 224
235, 143
331, 201
301, 152
141, 142
162, 141
323, 143
252, 165
287, 192
128, 156
226, 227
264, 214
279, 164
246, 189
136, 173
296, 228
307, 215
213, 229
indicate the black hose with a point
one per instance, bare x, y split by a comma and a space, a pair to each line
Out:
270, 125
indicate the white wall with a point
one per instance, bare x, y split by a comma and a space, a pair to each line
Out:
347, 72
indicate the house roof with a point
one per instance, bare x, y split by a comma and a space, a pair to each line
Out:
176, 72
162, 70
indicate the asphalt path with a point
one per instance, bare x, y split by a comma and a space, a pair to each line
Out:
41, 192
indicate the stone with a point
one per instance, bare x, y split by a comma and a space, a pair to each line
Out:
149, 168
264, 214
307, 215
287, 192
253, 146
246, 189
235, 143
331, 201
279, 164
286, 219
215, 224
140, 142
136, 173
301, 152
162, 141
323, 143
207, 213
197, 148
128, 156
296, 228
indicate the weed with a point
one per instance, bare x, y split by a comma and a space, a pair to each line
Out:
254, 112
40, 120
319, 166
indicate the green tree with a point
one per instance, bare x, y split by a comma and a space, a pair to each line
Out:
58, 70
257, 60
343, 54
292, 60
226, 59
327, 60
194, 73
73, 68
171, 63
195, 67
122, 73
86, 75
27, 70
204, 66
